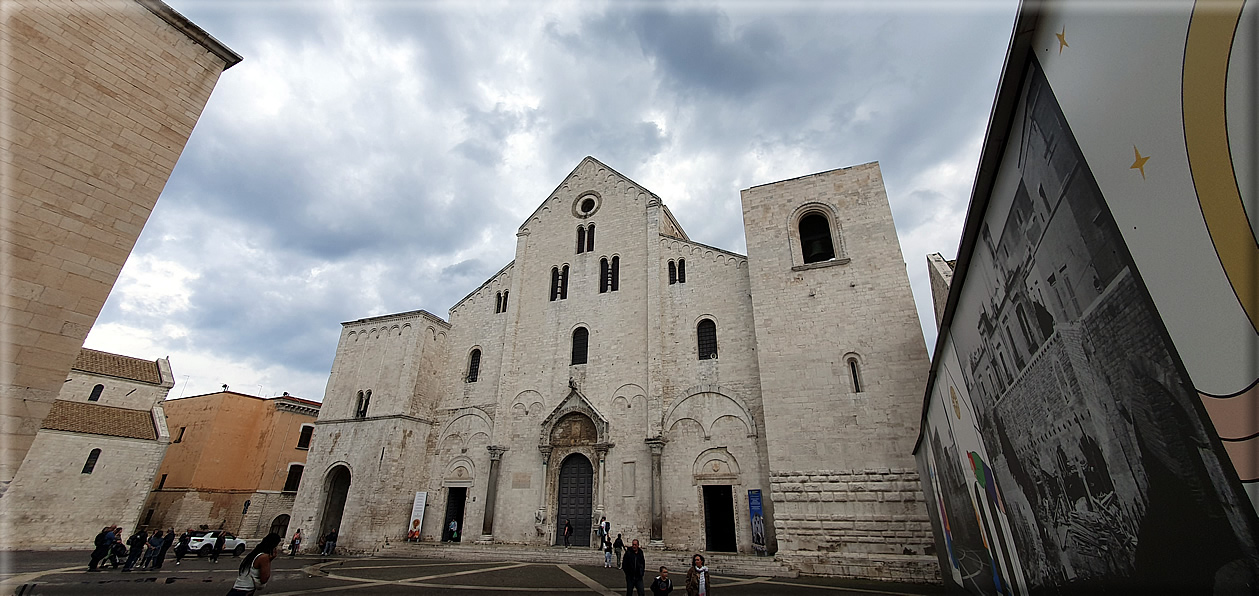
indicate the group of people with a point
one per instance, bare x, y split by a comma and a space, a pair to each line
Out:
634, 565
149, 550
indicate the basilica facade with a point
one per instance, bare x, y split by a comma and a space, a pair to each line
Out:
700, 399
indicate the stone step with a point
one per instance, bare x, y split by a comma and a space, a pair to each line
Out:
677, 561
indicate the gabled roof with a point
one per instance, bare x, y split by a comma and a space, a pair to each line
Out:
114, 365
587, 160
95, 419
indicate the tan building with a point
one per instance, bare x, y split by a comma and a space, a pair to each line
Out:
92, 463
700, 399
234, 463
100, 97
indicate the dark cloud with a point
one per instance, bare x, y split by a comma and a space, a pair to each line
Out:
379, 157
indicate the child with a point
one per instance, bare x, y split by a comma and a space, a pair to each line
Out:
662, 585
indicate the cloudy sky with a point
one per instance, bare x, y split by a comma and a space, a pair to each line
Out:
370, 158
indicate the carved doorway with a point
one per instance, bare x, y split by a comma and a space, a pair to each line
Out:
576, 489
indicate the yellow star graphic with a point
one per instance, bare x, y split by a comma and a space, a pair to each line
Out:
1062, 39
1139, 164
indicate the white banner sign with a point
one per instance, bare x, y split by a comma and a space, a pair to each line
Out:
417, 516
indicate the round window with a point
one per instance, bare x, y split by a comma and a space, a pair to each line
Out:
588, 205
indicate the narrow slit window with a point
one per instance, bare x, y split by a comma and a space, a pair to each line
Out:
706, 338
498, 303
815, 238
681, 271
581, 344
855, 371
181, 434
603, 275
474, 366
590, 239
615, 274
555, 283
673, 273
96, 393
564, 283
581, 239
505, 292
90, 464
162, 483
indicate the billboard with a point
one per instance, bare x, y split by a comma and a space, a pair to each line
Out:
1092, 419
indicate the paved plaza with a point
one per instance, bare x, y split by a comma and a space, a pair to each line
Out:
52, 573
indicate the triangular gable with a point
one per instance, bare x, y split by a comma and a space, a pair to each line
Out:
587, 165
574, 402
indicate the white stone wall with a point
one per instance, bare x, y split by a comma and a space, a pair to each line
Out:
118, 393
52, 504
810, 320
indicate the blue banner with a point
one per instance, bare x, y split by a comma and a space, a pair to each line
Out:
758, 521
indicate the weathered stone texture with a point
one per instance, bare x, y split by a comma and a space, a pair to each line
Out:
100, 98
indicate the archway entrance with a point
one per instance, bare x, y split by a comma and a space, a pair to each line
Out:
336, 487
456, 498
576, 490
280, 525
719, 518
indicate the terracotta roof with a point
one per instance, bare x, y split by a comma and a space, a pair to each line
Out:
96, 419
126, 367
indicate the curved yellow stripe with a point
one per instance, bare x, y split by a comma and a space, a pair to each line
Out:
1207, 48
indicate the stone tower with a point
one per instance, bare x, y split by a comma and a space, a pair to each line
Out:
842, 369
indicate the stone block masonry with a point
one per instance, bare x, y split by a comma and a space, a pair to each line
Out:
99, 98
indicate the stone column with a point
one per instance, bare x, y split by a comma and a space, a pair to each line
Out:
601, 453
491, 493
539, 518
657, 501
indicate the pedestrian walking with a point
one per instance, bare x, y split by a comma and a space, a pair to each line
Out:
154, 544
453, 529
218, 546
181, 548
103, 542
662, 585
605, 527
296, 543
330, 543
167, 541
568, 532
135, 548
698, 582
634, 566
255, 570
618, 547
117, 550
607, 552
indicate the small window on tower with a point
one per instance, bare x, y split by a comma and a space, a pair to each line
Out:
581, 239
673, 273
681, 271
815, 238
96, 393
474, 366
706, 338
581, 343
90, 464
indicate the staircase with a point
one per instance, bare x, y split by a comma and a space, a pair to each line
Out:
725, 564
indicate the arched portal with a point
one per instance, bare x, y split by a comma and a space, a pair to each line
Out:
280, 525
575, 499
336, 487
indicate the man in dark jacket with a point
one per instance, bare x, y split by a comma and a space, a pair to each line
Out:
218, 547
135, 546
103, 541
167, 541
634, 566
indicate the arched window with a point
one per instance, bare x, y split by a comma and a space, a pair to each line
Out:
581, 239
505, 292
364, 399
615, 274
673, 273
581, 343
681, 271
96, 393
564, 283
555, 283
706, 338
91, 461
590, 239
474, 366
603, 275
855, 370
815, 238
294, 478
498, 302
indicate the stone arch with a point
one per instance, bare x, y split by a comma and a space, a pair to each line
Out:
630, 402
705, 404
574, 403
528, 402
464, 424
459, 471
716, 466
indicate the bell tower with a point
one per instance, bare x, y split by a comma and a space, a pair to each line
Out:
843, 368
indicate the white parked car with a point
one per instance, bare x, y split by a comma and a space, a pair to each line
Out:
202, 543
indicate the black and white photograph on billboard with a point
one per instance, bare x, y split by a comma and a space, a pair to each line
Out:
1101, 455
